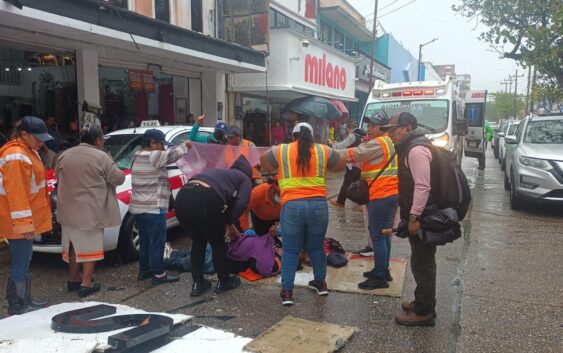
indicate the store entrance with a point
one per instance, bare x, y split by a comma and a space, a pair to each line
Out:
41, 83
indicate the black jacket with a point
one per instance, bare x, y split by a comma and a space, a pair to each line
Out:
233, 186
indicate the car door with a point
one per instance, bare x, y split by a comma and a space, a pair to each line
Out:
511, 147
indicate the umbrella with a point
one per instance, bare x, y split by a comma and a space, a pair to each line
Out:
341, 108
313, 106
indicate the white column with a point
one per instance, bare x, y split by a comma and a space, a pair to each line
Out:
87, 78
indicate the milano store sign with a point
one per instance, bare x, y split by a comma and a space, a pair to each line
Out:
304, 66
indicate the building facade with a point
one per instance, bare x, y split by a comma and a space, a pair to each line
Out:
136, 59
404, 66
343, 28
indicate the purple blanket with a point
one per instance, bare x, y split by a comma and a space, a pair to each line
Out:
260, 249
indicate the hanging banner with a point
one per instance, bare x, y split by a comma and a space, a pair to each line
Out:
141, 80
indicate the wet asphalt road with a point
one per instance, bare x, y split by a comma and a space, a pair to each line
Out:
500, 287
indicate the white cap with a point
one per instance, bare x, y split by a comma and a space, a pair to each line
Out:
298, 127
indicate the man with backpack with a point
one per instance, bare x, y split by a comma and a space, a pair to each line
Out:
415, 158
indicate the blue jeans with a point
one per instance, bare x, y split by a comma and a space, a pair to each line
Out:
152, 237
381, 214
180, 260
303, 223
21, 250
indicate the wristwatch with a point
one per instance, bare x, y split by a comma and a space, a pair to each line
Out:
414, 218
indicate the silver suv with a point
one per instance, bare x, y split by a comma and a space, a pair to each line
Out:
534, 161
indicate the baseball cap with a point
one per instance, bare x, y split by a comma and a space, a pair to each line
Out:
378, 119
298, 127
404, 119
157, 135
36, 127
234, 131
222, 127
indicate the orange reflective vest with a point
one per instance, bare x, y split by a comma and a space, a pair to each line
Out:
388, 182
244, 145
24, 201
298, 184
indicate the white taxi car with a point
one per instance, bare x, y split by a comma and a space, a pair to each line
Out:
123, 145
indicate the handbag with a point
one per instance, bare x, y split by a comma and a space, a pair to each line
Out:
358, 191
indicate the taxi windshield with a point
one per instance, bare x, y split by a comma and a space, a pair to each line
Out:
122, 148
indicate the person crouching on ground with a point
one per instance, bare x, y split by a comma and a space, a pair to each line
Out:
150, 198
303, 166
264, 209
86, 204
208, 207
24, 211
414, 192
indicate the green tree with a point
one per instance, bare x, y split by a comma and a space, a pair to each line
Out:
528, 31
501, 106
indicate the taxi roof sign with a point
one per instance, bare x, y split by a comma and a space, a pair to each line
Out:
150, 123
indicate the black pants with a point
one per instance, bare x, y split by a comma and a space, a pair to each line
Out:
350, 176
423, 267
199, 211
261, 226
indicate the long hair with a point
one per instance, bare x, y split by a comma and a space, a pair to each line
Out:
304, 144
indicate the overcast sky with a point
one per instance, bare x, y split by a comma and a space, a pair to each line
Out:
420, 21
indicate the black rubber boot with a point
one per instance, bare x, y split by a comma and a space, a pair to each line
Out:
33, 302
15, 293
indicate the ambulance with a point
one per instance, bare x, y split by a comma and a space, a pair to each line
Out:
436, 105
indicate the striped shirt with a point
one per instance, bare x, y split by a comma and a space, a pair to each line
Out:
149, 179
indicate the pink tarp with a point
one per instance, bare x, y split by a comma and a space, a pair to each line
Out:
208, 156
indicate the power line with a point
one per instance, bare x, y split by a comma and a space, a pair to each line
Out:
370, 15
397, 9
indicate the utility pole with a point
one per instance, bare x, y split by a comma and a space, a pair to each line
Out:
505, 83
373, 38
528, 90
510, 79
533, 85
516, 90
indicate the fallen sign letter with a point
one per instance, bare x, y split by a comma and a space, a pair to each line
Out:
149, 326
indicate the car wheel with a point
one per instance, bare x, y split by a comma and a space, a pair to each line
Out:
128, 245
506, 182
515, 201
495, 151
503, 164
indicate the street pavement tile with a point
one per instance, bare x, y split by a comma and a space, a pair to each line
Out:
496, 325
298, 335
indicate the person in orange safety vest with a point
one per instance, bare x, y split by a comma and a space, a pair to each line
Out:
303, 166
264, 209
375, 154
234, 138
25, 211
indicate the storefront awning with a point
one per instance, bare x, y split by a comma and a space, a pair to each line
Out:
75, 24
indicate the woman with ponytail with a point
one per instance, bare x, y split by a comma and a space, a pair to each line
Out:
302, 166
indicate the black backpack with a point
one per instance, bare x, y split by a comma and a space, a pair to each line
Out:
452, 186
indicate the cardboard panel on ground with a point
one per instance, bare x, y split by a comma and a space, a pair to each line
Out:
346, 279
297, 335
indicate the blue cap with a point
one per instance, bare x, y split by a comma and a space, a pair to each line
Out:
222, 127
157, 135
36, 127
378, 119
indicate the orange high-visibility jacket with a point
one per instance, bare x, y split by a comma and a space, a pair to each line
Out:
388, 182
298, 184
24, 201
230, 158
